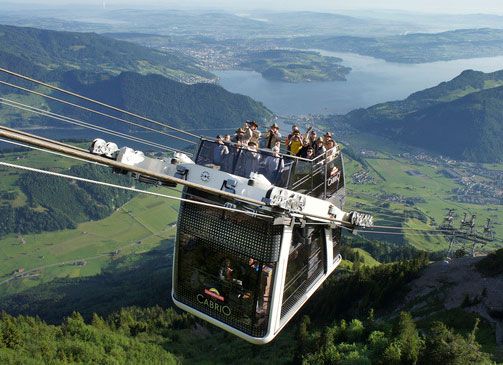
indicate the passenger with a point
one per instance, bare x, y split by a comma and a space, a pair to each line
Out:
228, 160
248, 160
239, 135
331, 150
273, 166
227, 138
226, 270
310, 153
311, 136
272, 136
251, 131
327, 137
295, 129
303, 151
319, 148
295, 143
220, 151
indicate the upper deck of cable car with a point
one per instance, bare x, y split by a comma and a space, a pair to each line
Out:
321, 176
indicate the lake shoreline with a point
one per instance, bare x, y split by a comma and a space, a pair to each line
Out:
370, 82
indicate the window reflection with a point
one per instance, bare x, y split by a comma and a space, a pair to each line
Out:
305, 264
234, 289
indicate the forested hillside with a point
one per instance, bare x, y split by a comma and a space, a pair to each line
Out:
123, 74
55, 204
51, 50
347, 330
187, 106
463, 118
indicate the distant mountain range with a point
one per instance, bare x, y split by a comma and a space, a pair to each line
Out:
461, 118
217, 24
412, 47
120, 73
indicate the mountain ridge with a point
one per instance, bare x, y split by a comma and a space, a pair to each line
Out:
462, 117
51, 49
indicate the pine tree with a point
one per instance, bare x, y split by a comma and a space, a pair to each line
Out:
410, 342
302, 338
11, 334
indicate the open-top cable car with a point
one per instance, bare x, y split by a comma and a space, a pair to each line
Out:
249, 270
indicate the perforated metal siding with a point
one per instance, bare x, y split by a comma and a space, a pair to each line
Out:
237, 232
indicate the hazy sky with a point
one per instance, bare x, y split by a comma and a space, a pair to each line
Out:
430, 6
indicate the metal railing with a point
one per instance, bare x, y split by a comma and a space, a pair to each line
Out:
320, 176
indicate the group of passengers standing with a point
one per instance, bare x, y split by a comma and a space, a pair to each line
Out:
248, 138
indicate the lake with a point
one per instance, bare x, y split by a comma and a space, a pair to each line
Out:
371, 81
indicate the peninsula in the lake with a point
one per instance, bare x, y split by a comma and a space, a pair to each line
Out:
294, 66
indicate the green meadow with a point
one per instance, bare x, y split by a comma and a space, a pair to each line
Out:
433, 191
137, 226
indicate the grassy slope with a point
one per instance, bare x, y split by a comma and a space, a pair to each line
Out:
90, 51
367, 258
9, 177
145, 218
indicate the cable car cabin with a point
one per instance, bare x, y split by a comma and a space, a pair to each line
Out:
249, 275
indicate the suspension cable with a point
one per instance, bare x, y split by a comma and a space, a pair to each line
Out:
80, 123
410, 229
395, 233
96, 112
70, 177
43, 139
97, 102
51, 152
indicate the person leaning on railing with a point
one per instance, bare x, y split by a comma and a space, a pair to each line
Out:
332, 150
319, 147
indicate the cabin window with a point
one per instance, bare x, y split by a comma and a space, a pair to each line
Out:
336, 241
306, 263
230, 287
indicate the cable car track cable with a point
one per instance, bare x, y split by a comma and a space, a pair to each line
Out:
397, 233
80, 123
51, 152
59, 147
43, 139
96, 102
70, 177
96, 112
85, 155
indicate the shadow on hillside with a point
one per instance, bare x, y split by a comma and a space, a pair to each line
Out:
141, 280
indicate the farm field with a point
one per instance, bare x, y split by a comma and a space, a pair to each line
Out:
420, 182
137, 226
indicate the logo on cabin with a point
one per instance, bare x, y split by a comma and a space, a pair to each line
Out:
335, 176
214, 293
205, 176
